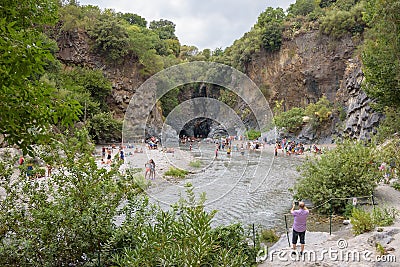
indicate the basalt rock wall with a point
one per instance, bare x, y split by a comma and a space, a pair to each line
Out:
308, 66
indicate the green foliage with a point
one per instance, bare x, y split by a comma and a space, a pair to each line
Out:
338, 22
169, 101
228, 97
65, 220
384, 216
270, 23
88, 86
252, 134
164, 28
74, 17
28, 104
133, 19
389, 125
111, 39
320, 111
326, 3
103, 128
181, 236
176, 172
291, 120
380, 249
269, 236
346, 171
195, 164
396, 186
135, 176
240, 54
272, 36
380, 55
361, 221
119, 36
302, 8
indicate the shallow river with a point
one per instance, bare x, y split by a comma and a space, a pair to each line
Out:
249, 188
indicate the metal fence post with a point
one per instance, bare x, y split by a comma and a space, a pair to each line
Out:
330, 217
254, 242
287, 232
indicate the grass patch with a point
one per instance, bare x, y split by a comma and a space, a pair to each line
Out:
195, 164
176, 172
396, 186
269, 236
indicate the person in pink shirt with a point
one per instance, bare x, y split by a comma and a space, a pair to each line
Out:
299, 225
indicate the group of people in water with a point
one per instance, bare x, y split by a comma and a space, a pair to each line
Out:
296, 148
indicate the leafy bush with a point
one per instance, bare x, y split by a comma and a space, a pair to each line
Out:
110, 39
337, 22
319, 111
270, 23
252, 134
396, 186
136, 176
302, 7
181, 236
291, 120
361, 221
346, 171
380, 53
64, 220
384, 216
176, 172
104, 128
364, 221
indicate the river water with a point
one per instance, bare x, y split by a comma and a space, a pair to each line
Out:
249, 188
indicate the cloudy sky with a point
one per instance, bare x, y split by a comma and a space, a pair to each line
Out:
204, 24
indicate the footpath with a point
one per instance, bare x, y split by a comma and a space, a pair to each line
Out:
342, 248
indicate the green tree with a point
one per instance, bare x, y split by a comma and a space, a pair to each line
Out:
65, 220
302, 8
169, 101
103, 128
252, 134
133, 19
291, 120
341, 22
270, 23
326, 3
28, 104
164, 28
111, 39
346, 171
381, 52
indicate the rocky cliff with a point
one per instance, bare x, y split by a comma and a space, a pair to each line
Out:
308, 66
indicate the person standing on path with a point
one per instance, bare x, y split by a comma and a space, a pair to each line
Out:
152, 169
299, 225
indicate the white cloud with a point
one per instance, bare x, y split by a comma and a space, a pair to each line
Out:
206, 24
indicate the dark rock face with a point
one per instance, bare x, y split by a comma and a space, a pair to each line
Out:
361, 120
308, 66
